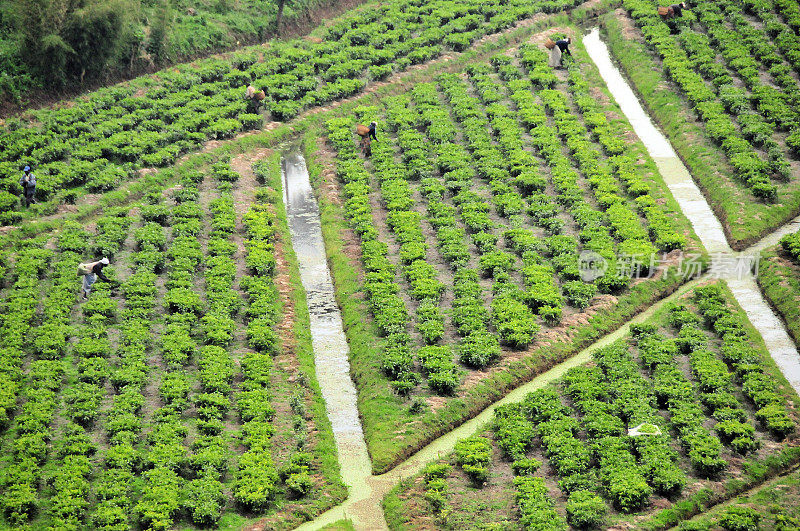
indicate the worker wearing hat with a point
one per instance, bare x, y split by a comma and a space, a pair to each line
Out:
91, 272
28, 184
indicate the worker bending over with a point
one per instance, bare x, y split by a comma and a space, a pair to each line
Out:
91, 272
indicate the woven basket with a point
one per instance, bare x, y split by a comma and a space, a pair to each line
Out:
664, 11
362, 130
259, 96
549, 43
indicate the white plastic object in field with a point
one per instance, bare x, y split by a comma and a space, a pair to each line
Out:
644, 429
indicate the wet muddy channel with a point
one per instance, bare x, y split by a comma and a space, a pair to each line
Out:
696, 209
331, 352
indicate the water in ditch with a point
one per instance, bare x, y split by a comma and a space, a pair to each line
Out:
774, 238
328, 339
696, 209
680, 183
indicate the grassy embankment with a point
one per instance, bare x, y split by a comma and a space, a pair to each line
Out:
777, 503
193, 30
779, 279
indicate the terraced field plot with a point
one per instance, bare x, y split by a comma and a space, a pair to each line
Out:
191, 387
98, 142
695, 381
506, 218
728, 102
472, 212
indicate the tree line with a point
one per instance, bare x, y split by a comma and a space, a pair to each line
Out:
59, 43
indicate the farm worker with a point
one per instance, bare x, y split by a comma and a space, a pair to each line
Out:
254, 98
563, 45
28, 183
677, 9
669, 14
367, 132
555, 57
91, 272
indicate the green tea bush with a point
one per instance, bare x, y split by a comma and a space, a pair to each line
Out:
473, 456
585, 509
740, 519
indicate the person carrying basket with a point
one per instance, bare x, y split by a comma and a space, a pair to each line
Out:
558, 49
254, 98
91, 272
367, 134
672, 11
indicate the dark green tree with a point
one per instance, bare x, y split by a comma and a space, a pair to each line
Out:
94, 32
281, 5
66, 40
158, 40
42, 47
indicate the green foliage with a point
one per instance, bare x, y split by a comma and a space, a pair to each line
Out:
514, 321
256, 480
740, 519
525, 467
79, 41
473, 456
437, 364
585, 509
536, 507
479, 349
791, 244
435, 475
160, 500
205, 500
579, 294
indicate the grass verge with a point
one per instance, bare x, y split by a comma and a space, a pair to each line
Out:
341, 525
394, 509
777, 503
